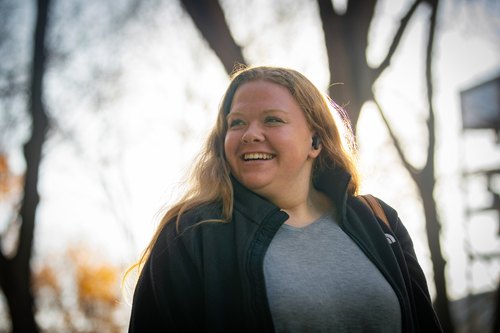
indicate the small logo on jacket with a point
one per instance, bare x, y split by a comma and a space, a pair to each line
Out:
390, 238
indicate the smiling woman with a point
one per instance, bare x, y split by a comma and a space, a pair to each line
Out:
271, 236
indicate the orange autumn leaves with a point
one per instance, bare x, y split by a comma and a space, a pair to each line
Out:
83, 289
96, 281
10, 183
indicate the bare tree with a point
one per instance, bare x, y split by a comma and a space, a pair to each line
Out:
346, 38
15, 270
15, 273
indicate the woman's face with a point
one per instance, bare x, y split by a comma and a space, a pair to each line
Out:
268, 141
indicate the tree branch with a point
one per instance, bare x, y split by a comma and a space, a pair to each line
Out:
430, 88
209, 19
397, 38
411, 169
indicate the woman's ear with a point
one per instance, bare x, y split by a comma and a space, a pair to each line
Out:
316, 146
315, 142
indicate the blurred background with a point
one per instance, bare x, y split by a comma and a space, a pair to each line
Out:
104, 105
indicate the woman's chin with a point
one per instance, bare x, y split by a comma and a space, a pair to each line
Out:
255, 184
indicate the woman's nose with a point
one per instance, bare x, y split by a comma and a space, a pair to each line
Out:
252, 134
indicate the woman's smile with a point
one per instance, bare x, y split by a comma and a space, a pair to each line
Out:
257, 157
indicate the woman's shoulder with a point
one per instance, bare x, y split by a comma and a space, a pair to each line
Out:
185, 231
192, 217
206, 211
364, 203
388, 209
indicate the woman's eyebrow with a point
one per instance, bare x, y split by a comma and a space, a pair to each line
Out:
232, 113
274, 110
240, 113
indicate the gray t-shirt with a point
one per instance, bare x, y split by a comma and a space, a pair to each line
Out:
319, 280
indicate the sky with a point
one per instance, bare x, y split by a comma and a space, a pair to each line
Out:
105, 184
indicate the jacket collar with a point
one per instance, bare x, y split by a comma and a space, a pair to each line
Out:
332, 182
250, 203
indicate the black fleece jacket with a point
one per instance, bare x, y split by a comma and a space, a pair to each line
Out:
208, 277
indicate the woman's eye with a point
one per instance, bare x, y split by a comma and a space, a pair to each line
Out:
235, 122
273, 120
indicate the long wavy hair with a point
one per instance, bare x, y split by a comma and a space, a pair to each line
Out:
209, 180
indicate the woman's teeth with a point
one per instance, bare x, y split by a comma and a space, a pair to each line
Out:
257, 156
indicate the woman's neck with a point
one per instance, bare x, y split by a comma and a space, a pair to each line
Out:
305, 211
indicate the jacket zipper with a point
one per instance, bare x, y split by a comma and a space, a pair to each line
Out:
264, 313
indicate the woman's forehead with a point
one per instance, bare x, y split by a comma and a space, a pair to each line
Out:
262, 95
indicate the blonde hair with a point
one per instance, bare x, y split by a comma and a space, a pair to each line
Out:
210, 182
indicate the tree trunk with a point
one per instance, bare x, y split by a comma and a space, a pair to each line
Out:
426, 182
346, 39
15, 272
433, 230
